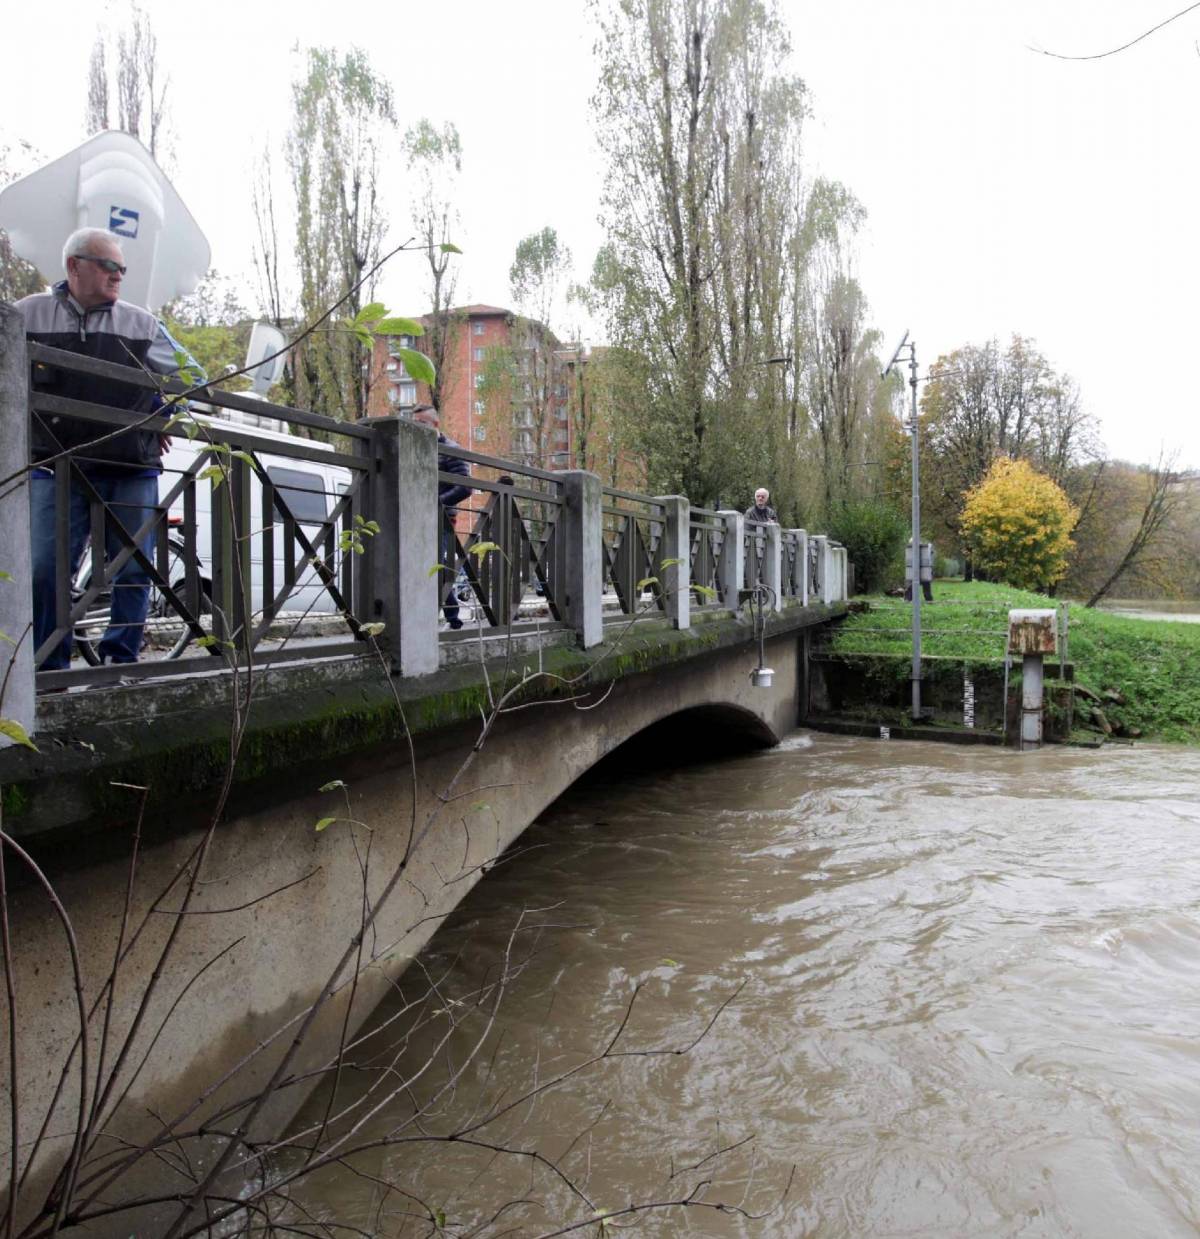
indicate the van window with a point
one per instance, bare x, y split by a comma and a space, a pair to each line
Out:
303, 492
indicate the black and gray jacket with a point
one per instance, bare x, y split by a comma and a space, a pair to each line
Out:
118, 332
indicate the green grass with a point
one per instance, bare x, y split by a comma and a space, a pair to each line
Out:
1155, 664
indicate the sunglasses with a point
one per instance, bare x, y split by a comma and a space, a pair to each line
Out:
105, 264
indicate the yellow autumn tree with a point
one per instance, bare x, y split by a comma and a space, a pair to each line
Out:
1017, 524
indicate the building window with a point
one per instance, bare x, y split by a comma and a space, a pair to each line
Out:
480, 408
479, 354
408, 393
391, 364
480, 433
477, 329
479, 380
523, 441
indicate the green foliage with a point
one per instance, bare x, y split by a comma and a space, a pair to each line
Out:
874, 535
16, 733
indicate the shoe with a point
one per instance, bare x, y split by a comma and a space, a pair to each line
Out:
455, 624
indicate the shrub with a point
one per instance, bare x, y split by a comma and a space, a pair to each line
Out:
1018, 525
874, 535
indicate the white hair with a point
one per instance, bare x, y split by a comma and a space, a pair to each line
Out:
80, 242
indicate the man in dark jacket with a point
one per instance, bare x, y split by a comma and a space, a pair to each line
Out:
83, 314
449, 496
760, 511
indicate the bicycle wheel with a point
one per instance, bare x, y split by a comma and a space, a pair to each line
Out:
91, 628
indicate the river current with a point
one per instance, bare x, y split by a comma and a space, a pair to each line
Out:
962, 988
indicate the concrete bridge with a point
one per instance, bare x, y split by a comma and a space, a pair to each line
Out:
295, 801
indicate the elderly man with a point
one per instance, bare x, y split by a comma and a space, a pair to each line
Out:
84, 314
760, 511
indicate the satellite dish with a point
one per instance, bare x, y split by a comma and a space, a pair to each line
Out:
265, 341
110, 182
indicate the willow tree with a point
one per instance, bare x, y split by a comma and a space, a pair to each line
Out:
124, 70
342, 115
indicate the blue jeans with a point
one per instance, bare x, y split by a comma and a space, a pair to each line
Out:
132, 499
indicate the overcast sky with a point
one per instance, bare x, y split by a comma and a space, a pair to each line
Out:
1006, 191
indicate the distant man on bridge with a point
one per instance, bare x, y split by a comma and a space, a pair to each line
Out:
760, 511
84, 314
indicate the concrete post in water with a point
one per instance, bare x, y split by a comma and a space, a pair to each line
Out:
677, 579
733, 559
16, 590
584, 551
1032, 635
773, 564
407, 509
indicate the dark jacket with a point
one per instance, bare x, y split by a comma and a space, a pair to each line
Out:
115, 331
761, 516
448, 493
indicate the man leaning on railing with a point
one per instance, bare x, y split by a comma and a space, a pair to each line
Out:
84, 314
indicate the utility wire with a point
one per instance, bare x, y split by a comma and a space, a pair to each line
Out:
1125, 46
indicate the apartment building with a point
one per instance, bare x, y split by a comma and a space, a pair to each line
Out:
506, 385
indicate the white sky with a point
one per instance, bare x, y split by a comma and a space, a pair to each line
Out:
1005, 191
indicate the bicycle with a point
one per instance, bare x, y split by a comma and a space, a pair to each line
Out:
90, 629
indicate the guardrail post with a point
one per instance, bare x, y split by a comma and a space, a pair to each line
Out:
843, 574
676, 580
800, 567
405, 496
821, 543
733, 559
16, 591
772, 572
584, 556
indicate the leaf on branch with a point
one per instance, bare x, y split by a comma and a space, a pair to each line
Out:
646, 580
418, 365
671, 963
331, 786
448, 247
439, 1219
705, 591
399, 327
16, 733
436, 569
371, 313
206, 642
480, 806
325, 821
247, 458
480, 549
5, 637
214, 474
670, 563
373, 629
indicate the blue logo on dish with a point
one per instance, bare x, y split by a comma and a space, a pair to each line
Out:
123, 221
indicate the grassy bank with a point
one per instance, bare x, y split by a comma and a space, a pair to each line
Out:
1153, 664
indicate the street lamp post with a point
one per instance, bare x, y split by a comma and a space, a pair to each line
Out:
915, 569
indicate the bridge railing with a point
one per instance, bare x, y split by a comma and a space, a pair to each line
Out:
516, 509
255, 532
632, 529
248, 524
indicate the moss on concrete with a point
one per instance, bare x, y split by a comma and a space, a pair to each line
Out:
179, 748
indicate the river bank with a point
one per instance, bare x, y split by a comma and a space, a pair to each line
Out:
1143, 670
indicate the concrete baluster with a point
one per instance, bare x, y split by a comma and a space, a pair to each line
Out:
676, 579
821, 545
772, 572
583, 556
799, 582
733, 559
406, 506
16, 592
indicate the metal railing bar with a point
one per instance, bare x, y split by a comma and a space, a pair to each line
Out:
648, 500
135, 377
495, 462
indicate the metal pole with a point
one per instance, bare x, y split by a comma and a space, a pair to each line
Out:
916, 538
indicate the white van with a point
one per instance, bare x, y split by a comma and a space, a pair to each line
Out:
309, 487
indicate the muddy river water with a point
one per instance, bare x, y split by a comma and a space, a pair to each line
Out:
963, 1000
